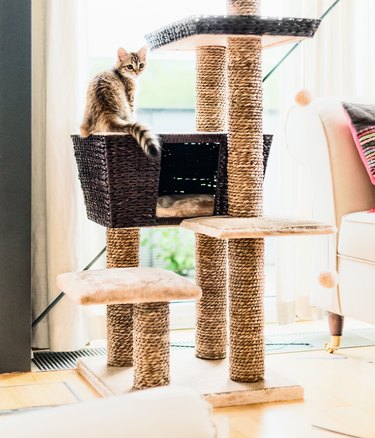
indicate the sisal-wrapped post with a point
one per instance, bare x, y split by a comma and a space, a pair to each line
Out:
151, 345
243, 7
210, 253
122, 252
245, 190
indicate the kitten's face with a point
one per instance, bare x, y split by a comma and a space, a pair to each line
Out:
131, 64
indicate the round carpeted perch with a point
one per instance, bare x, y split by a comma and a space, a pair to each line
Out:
210, 253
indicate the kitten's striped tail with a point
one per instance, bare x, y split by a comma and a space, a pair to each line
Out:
145, 138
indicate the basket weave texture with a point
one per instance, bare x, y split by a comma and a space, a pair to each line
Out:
121, 184
232, 25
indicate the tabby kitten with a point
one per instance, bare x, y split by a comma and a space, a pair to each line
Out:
110, 101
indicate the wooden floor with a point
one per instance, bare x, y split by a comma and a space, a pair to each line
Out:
339, 395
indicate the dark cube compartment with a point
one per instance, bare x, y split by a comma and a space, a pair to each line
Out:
121, 184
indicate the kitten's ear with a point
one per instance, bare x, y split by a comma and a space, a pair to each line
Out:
142, 52
121, 54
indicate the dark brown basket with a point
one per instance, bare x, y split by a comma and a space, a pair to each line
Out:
121, 184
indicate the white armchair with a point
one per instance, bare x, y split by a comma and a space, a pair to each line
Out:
318, 135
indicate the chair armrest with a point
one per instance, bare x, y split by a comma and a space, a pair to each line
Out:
319, 137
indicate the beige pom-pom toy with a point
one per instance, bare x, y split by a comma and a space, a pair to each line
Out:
303, 97
329, 279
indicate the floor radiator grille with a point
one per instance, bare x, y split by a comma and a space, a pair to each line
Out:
277, 343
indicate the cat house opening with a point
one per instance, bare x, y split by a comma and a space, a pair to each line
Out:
189, 173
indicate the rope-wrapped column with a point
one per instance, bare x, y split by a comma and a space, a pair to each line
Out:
243, 7
211, 327
210, 253
211, 89
151, 345
245, 198
122, 252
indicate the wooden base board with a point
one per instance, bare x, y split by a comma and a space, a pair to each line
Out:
209, 377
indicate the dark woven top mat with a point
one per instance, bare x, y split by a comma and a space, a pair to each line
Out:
212, 30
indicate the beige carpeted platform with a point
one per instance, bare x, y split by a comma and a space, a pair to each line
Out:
245, 228
126, 285
208, 377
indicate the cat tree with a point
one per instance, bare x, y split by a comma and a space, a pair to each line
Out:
229, 249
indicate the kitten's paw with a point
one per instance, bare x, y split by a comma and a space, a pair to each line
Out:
84, 132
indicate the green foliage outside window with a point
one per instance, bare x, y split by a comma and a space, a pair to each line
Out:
171, 248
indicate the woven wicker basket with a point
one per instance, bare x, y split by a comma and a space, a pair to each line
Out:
121, 184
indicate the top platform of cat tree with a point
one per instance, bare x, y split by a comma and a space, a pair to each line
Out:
196, 31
